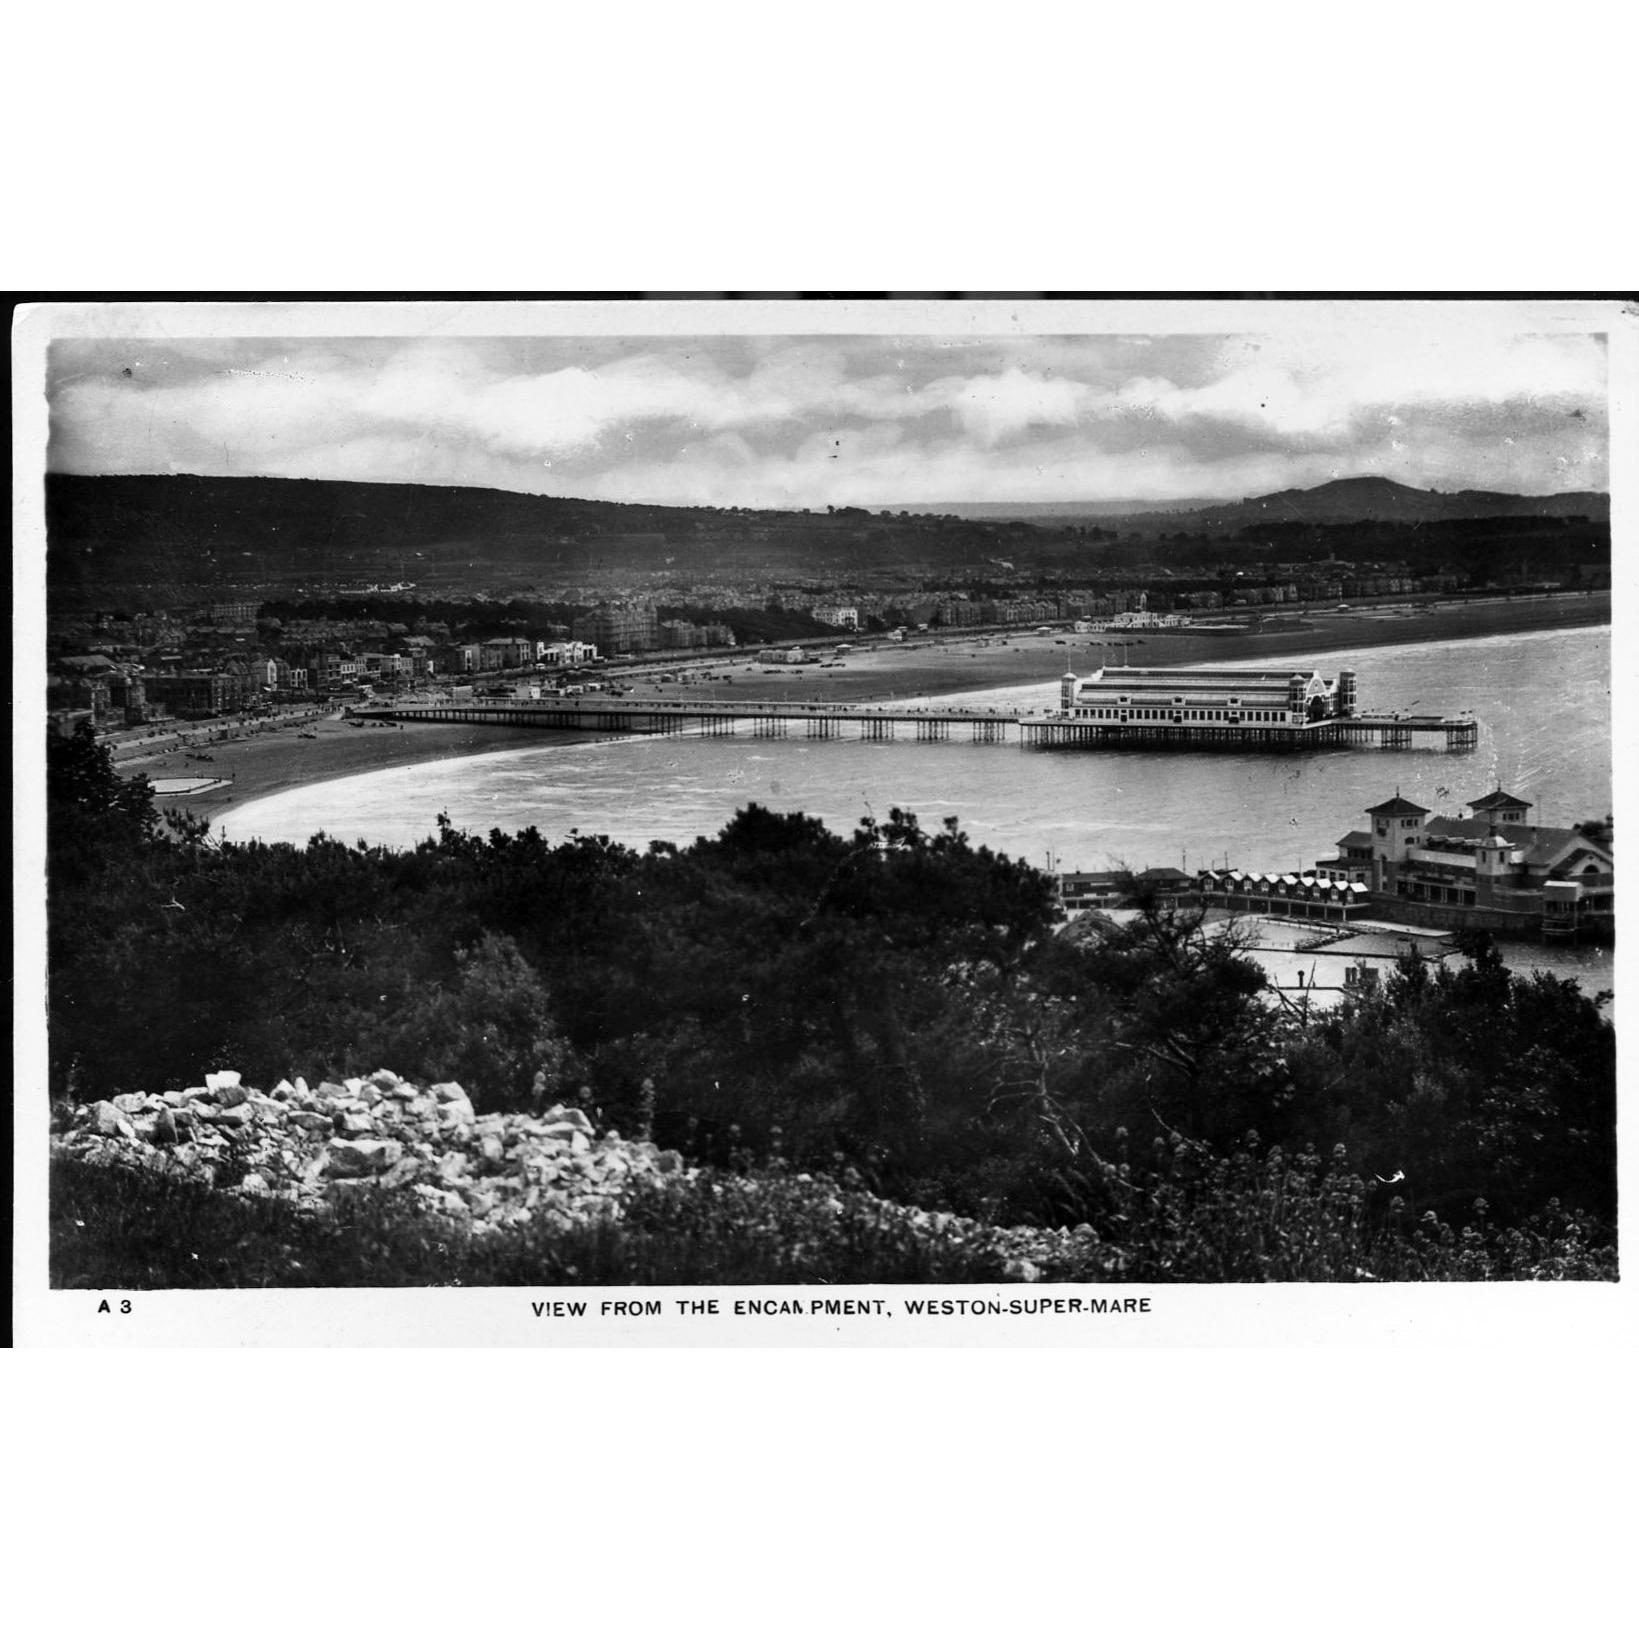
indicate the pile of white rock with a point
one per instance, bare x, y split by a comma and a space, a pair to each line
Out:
313, 1145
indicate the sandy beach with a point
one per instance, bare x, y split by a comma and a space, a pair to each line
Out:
931, 663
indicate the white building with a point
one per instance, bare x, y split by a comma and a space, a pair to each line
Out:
1225, 696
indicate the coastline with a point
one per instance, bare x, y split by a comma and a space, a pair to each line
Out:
282, 760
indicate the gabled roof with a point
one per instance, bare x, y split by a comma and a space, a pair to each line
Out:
1567, 846
1540, 844
1496, 799
1396, 805
1355, 839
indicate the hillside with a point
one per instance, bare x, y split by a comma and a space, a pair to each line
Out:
159, 540
176, 535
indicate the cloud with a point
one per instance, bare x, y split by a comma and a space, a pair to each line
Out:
1012, 402
858, 420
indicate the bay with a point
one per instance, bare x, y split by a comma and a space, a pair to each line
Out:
1543, 701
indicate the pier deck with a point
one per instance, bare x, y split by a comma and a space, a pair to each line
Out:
1054, 732
983, 726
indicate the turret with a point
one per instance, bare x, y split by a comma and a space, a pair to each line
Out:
1498, 808
1067, 691
1397, 827
1346, 694
1296, 696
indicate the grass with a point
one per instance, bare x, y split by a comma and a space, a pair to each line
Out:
1243, 1219
119, 1229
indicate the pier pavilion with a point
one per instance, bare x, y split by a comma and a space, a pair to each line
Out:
1220, 696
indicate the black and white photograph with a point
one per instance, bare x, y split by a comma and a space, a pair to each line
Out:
829, 817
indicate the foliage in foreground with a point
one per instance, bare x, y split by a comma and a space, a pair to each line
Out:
894, 1005
1240, 1218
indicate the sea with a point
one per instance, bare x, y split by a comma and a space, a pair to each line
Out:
1543, 701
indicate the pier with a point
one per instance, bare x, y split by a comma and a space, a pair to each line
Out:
1044, 731
764, 719
1053, 732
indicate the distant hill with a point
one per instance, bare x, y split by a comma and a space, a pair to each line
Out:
1341, 501
1382, 500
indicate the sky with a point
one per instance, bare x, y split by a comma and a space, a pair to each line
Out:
815, 420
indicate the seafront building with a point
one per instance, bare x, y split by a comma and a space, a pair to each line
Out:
618, 628
1491, 869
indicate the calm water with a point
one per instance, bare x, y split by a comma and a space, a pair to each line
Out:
1543, 700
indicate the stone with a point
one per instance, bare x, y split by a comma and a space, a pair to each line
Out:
353, 1086
300, 1089
176, 1100
668, 1161
401, 1172
384, 1079
455, 1110
354, 1124
129, 1103
253, 1183
332, 1089
110, 1121
361, 1157
228, 1098
573, 1118
163, 1128
232, 1119
452, 1166
494, 1150
218, 1080
579, 1143
283, 1089
444, 1091
311, 1120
